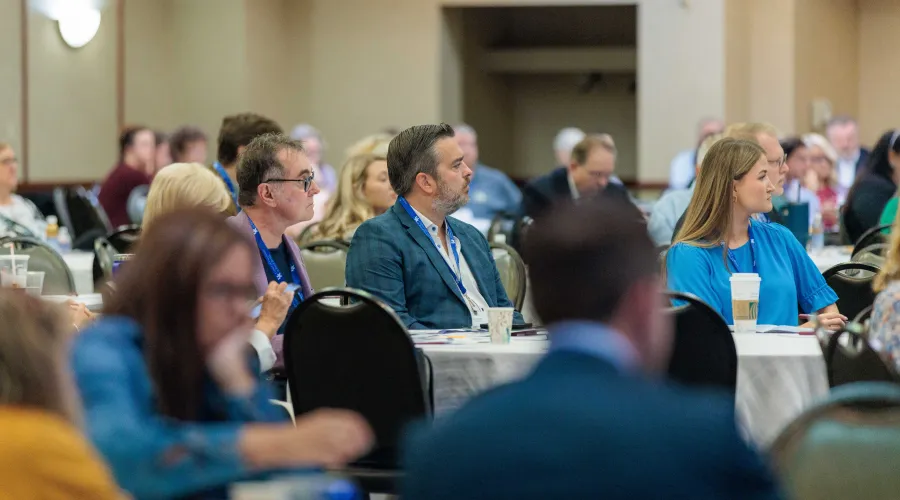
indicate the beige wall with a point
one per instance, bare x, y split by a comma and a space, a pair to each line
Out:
72, 102
879, 73
11, 68
149, 57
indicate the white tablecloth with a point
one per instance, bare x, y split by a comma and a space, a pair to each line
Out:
82, 266
830, 257
778, 375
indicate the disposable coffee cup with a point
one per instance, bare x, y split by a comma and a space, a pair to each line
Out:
745, 301
500, 324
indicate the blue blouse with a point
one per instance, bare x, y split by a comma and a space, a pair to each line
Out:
153, 456
789, 276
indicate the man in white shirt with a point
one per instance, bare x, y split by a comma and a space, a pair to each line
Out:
681, 170
434, 271
843, 134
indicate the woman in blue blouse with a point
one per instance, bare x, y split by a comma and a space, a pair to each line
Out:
719, 238
171, 398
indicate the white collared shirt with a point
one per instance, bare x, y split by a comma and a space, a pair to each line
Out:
572, 187
478, 311
846, 171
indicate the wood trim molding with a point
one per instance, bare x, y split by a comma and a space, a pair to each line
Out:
48, 186
23, 70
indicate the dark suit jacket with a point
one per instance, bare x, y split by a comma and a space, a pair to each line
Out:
391, 258
863, 159
577, 428
863, 210
540, 194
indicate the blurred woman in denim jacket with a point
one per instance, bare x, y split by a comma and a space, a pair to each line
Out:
171, 396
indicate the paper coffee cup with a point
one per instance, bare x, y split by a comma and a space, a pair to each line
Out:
745, 301
500, 324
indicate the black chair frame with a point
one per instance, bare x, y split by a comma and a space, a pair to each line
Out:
871, 236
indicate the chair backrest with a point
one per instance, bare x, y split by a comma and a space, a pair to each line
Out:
104, 254
58, 278
703, 353
512, 272
306, 235
325, 263
864, 315
873, 254
844, 447
504, 224
871, 236
358, 357
137, 202
849, 358
124, 237
80, 211
852, 282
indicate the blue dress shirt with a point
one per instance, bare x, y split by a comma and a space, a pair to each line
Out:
491, 192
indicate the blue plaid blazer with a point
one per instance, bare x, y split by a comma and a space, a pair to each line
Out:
391, 258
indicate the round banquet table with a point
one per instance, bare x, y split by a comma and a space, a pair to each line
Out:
830, 256
779, 375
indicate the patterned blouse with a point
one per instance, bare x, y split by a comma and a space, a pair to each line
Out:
884, 326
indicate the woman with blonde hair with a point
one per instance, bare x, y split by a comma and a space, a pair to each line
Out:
364, 191
184, 185
44, 454
719, 238
884, 324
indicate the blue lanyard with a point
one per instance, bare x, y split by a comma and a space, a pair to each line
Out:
450, 237
279, 276
230, 185
733, 259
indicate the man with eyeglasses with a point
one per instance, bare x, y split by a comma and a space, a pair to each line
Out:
275, 191
588, 174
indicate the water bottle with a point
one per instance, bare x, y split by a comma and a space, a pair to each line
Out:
52, 233
303, 487
817, 234
63, 240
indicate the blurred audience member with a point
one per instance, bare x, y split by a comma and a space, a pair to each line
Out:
171, 396
137, 164
720, 237
363, 192
235, 133
188, 145
375, 144
163, 156
314, 146
875, 185
564, 143
843, 134
434, 271
599, 422
821, 178
884, 324
491, 192
588, 174
797, 156
672, 205
276, 191
18, 216
683, 166
186, 185
44, 454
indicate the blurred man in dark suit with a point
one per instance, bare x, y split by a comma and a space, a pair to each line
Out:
592, 420
587, 175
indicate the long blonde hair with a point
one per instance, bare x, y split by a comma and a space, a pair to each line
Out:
349, 208
185, 185
708, 218
890, 270
33, 357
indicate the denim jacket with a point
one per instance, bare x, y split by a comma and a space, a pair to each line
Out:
153, 456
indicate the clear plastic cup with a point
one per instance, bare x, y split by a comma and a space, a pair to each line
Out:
13, 271
500, 324
34, 283
745, 301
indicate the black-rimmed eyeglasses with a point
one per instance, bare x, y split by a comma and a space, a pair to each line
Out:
307, 181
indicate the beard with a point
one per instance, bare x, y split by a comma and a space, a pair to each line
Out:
447, 200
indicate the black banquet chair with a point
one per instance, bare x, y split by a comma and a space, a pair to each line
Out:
80, 211
849, 358
58, 279
124, 237
872, 236
852, 282
358, 357
703, 353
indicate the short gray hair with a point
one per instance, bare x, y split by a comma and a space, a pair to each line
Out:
840, 120
259, 162
305, 132
567, 138
412, 152
462, 128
